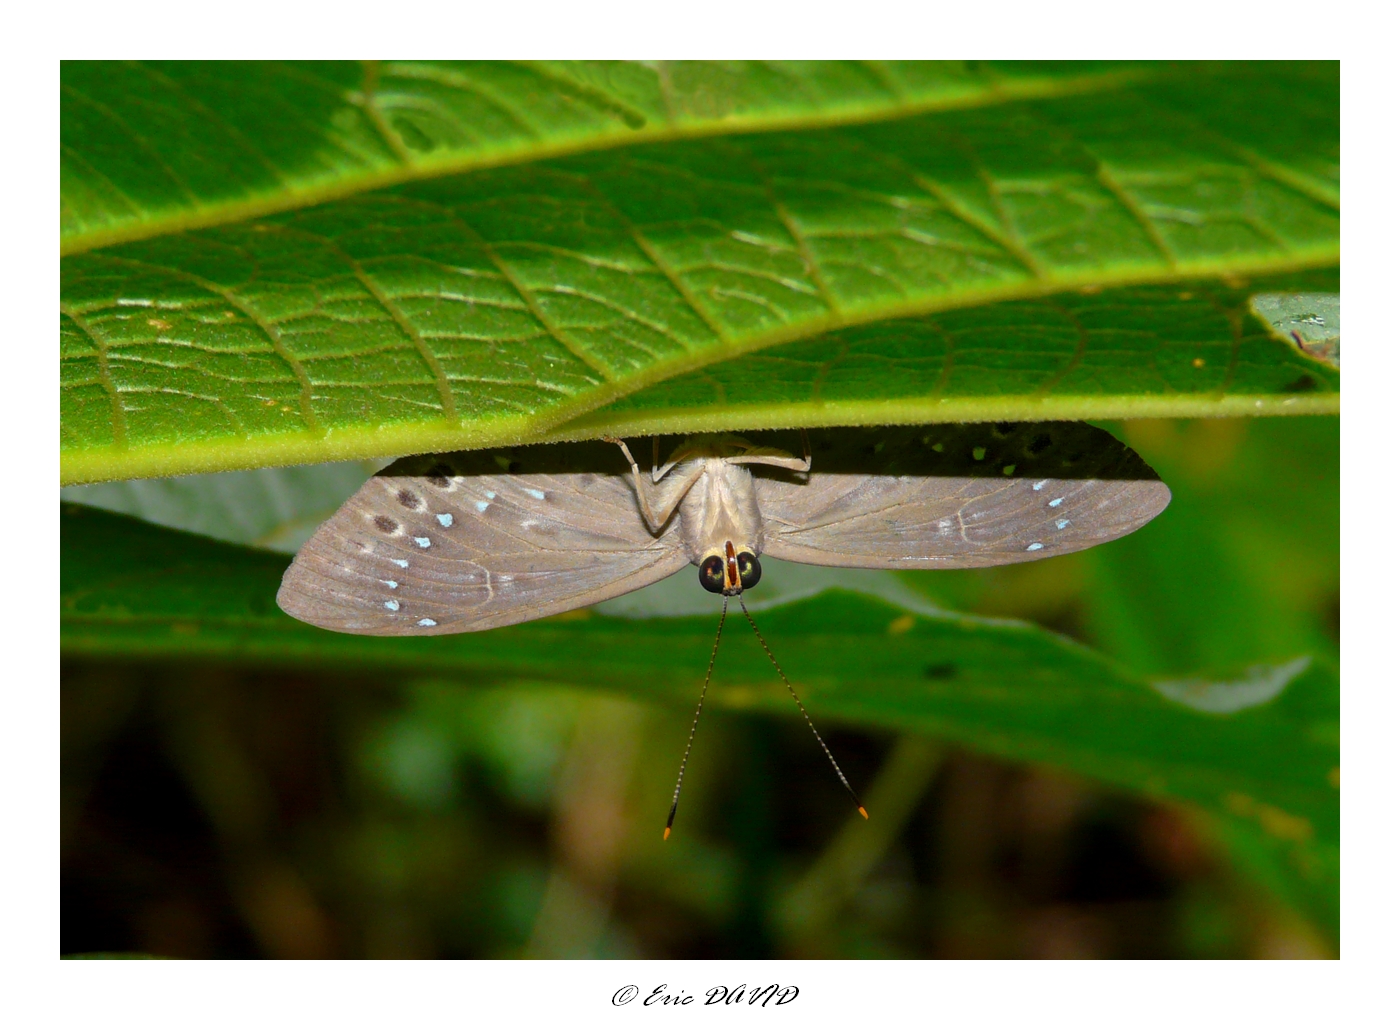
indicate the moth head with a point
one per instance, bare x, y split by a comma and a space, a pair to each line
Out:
731, 571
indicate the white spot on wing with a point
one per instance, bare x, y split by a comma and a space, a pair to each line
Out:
1056, 501
490, 494
445, 520
391, 584
1040, 485
425, 622
423, 543
1061, 524
399, 563
1034, 546
534, 493
392, 605
481, 506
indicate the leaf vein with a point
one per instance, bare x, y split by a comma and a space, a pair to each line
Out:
1006, 241
1082, 344
528, 297
239, 138
104, 372
654, 257
268, 326
366, 100
76, 156
146, 148
597, 98
1130, 205
444, 388
463, 83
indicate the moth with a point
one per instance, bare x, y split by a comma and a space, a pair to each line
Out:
445, 543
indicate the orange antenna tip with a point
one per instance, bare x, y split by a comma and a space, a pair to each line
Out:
666, 835
786, 683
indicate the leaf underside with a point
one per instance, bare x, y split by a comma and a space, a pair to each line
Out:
338, 263
154, 147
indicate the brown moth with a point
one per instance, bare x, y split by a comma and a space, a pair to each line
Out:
444, 543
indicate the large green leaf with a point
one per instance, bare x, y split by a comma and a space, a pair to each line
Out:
1260, 748
157, 146
994, 243
1128, 352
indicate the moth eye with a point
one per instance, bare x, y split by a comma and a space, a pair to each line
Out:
750, 573
712, 575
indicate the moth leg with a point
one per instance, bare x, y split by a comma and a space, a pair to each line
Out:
776, 458
678, 456
773, 458
672, 493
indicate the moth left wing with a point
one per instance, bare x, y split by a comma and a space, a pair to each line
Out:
956, 496
464, 542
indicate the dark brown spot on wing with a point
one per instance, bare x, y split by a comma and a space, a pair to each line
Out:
386, 524
410, 499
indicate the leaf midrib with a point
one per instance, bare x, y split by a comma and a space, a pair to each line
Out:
294, 198
80, 467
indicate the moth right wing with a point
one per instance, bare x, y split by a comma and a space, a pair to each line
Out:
462, 542
956, 496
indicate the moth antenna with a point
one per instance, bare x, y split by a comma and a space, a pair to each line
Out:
709, 671
810, 725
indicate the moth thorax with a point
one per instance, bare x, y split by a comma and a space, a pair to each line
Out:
721, 507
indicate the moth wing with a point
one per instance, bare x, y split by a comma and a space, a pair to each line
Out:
464, 542
956, 496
